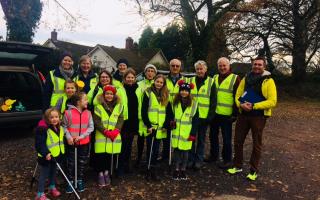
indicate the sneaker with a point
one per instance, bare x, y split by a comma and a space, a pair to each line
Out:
183, 175
234, 170
107, 179
252, 176
101, 181
69, 188
80, 186
175, 175
54, 192
42, 197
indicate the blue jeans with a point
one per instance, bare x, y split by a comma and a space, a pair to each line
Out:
47, 171
155, 149
197, 151
224, 123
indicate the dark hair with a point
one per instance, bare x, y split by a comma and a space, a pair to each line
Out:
260, 58
178, 98
76, 97
105, 72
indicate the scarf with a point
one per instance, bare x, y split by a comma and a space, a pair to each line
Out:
66, 73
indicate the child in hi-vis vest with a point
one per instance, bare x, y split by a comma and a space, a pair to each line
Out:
184, 128
108, 120
78, 125
70, 88
50, 148
156, 113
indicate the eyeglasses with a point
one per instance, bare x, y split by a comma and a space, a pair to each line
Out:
177, 66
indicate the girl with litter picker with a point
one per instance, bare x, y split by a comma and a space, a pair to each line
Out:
156, 114
78, 125
184, 128
50, 147
70, 88
108, 120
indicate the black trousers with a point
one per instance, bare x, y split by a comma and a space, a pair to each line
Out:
126, 149
82, 158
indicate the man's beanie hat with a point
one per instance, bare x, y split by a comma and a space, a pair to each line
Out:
124, 61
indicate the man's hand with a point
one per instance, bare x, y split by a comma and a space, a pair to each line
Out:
246, 106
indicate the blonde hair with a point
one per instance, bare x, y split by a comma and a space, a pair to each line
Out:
164, 92
83, 58
47, 113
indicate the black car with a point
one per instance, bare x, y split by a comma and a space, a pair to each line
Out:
20, 81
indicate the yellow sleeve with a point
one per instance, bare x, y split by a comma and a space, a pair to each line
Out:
270, 93
239, 92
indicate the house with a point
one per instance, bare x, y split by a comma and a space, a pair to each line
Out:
106, 57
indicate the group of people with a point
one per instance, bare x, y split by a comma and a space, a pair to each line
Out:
99, 115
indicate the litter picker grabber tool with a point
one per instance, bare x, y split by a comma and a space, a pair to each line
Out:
75, 166
170, 149
64, 175
33, 179
111, 167
150, 154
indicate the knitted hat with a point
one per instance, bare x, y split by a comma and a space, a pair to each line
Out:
122, 60
185, 86
110, 88
64, 54
150, 66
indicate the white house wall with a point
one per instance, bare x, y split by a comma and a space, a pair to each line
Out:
158, 59
101, 59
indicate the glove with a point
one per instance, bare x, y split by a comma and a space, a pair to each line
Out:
114, 134
173, 124
154, 133
106, 132
192, 138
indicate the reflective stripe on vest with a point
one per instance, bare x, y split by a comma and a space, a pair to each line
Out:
54, 142
225, 99
203, 96
61, 104
182, 132
103, 144
78, 123
58, 88
174, 89
156, 114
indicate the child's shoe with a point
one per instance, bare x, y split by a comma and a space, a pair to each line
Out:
54, 192
107, 178
175, 175
183, 175
42, 197
80, 186
69, 188
101, 181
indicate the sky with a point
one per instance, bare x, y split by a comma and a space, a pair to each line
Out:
107, 22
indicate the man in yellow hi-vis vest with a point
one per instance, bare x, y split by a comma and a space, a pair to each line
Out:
204, 94
226, 84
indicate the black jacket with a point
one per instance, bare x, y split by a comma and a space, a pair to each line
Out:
132, 124
86, 80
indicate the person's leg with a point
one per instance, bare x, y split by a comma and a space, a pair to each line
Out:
83, 151
128, 154
200, 143
70, 152
241, 131
184, 161
52, 174
44, 173
166, 146
214, 140
177, 162
257, 126
123, 154
226, 129
155, 151
140, 145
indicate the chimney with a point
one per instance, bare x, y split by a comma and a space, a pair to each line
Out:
129, 43
54, 35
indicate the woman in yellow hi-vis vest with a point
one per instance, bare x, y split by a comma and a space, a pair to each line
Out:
54, 86
108, 121
156, 114
185, 126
